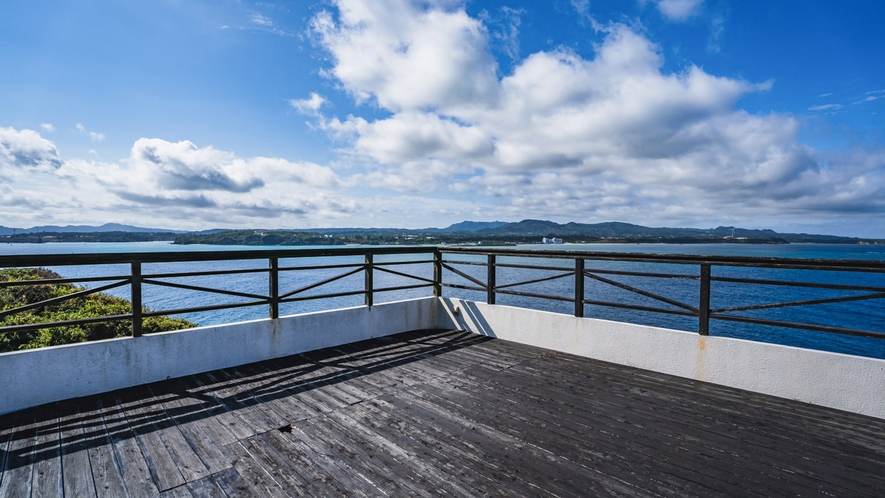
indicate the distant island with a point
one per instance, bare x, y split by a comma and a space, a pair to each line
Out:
493, 233
501, 233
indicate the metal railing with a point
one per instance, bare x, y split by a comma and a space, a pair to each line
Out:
480, 270
578, 270
275, 296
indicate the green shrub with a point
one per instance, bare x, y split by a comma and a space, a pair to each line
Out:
91, 306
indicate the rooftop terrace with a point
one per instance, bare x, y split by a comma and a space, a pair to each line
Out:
432, 413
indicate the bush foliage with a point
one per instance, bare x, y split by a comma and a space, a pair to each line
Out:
90, 306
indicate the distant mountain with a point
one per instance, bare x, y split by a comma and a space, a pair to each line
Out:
107, 227
617, 230
470, 226
525, 231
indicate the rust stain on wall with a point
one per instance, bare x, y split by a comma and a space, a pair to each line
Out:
701, 359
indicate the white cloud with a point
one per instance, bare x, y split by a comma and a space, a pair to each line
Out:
183, 185
94, 136
26, 150
581, 6
309, 106
679, 10
261, 20
717, 28
408, 57
47, 127
868, 98
826, 107
564, 136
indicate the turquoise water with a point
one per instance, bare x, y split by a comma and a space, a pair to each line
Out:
866, 315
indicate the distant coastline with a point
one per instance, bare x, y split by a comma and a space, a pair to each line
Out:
467, 233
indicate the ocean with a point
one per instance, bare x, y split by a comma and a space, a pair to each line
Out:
866, 315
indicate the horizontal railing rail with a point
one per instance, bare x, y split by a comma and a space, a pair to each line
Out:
493, 272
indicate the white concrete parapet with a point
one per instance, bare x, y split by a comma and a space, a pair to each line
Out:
845, 382
38, 376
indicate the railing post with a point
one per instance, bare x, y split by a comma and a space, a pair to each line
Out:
136, 300
274, 287
437, 273
370, 284
704, 307
579, 287
490, 289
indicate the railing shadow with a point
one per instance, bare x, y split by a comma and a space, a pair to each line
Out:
46, 432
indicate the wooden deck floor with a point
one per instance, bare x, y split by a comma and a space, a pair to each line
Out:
432, 414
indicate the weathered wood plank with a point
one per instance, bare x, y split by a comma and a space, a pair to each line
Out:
366, 458
230, 418
179, 492
198, 427
592, 445
131, 463
259, 479
75, 443
292, 478
155, 420
717, 428
300, 446
106, 473
689, 458
233, 485
528, 464
409, 455
47, 475
19, 460
162, 466
205, 488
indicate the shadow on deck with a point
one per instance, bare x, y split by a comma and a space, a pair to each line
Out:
437, 413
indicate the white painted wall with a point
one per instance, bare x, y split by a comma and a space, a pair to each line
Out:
33, 377
845, 382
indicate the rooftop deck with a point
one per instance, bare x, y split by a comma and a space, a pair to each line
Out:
438, 413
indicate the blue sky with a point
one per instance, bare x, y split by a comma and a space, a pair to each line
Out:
204, 114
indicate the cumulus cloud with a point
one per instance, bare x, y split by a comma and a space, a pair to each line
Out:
563, 135
406, 56
182, 184
47, 127
309, 106
184, 166
679, 10
26, 149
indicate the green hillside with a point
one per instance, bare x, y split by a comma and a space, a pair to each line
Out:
93, 305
